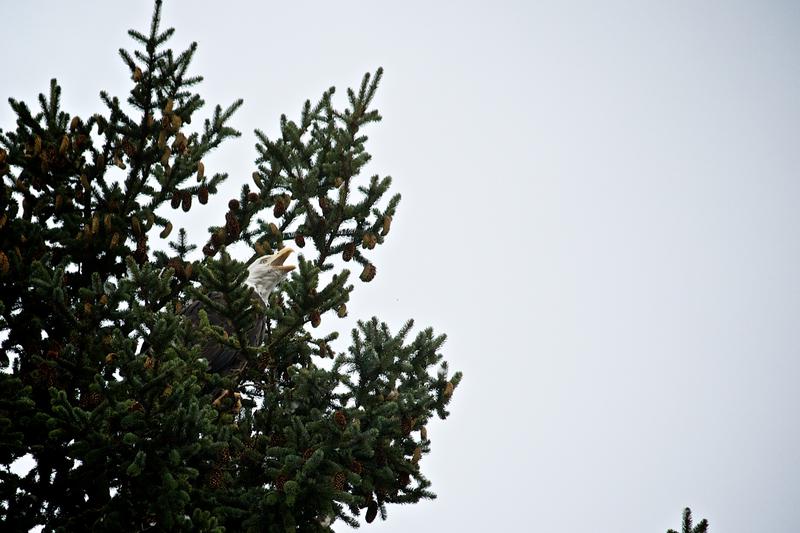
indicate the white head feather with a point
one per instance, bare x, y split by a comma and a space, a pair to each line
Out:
266, 272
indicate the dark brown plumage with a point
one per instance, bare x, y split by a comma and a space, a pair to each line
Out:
264, 275
223, 359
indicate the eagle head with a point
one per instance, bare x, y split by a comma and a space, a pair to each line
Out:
266, 272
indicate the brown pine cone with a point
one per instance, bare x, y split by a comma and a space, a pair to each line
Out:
186, 204
215, 478
349, 251
368, 274
339, 480
372, 511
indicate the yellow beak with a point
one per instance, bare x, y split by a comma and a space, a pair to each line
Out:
276, 260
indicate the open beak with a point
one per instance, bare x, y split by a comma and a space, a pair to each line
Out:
276, 260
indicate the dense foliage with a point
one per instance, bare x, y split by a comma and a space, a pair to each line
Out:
102, 382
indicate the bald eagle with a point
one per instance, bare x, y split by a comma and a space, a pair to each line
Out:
263, 275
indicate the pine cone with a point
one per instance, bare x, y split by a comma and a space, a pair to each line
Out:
417, 455
340, 418
175, 264
187, 201
339, 480
90, 400
356, 467
387, 225
368, 274
299, 240
232, 225
140, 255
95, 398
4, 264
369, 240
215, 478
181, 143
225, 455
315, 318
280, 207
176, 200
202, 195
404, 479
166, 231
349, 251
372, 511
280, 481
217, 238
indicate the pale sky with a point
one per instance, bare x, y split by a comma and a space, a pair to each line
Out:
600, 209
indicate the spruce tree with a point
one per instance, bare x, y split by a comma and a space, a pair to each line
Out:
102, 383
687, 526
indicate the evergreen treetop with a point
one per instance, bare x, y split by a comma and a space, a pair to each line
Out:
687, 526
102, 383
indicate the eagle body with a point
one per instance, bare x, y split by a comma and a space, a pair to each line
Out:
223, 358
264, 275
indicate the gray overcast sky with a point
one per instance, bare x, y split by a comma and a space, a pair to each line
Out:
600, 208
